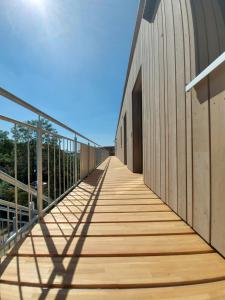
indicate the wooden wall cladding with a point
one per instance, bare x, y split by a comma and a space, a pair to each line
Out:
217, 114
183, 133
92, 156
84, 160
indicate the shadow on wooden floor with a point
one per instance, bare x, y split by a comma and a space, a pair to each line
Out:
95, 180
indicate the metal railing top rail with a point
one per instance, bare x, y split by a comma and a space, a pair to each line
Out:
25, 104
32, 127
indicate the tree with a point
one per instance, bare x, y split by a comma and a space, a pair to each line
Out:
24, 139
6, 153
24, 134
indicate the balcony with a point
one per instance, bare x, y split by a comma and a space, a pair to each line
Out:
108, 236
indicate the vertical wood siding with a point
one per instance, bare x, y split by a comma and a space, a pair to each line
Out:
84, 160
183, 133
89, 158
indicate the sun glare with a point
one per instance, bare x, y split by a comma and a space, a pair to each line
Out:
37, 2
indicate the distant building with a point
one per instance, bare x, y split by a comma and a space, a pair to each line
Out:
111, 150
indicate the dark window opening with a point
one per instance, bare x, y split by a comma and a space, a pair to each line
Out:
137, 125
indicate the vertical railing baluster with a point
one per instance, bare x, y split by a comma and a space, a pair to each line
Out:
73, 161
54, 175
68, 186
59, 167
49, 177
70, 164
88, 158
75, 152
64, 175
8, 223
15, 219
67, 166
28, 172
39, 169
95, 156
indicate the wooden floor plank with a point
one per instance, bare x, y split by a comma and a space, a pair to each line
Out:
114, 197
113, 192
115, 272
112, 209
112, 217
112, 239
207, 291
111, 229
111, 202
112, 246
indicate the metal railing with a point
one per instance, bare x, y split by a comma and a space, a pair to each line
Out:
38, 167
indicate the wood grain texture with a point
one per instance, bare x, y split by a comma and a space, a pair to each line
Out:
112, 246
181, 110
70, 251
181, 130
114, 272
189, 43
84, 160
217, 157
111, 229
215, 290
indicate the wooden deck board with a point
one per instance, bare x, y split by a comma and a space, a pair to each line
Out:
108, 234
109, 246
110, 209
111, 217
114, 197
111, 229
72, 202
214, 290
115, 272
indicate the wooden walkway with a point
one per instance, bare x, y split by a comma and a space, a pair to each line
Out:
112, 238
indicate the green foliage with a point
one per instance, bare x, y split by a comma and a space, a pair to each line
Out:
6, 153
21, 141
7, 191
24, 134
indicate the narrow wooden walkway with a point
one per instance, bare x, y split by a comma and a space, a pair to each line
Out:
112, 238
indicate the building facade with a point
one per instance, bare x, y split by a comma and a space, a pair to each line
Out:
171, 125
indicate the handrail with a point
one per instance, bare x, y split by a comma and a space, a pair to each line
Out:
25, 104
10, 120
54, 166
215, 64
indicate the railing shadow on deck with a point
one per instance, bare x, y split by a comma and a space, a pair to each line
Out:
95, 180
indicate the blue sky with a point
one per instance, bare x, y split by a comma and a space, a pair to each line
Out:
68, 58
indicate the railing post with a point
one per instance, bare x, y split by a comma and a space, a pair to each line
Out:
31, 210
60, 191
95, 156
8, 225
15, 219
88, 158
14, 224
75, 154
20, 212
39, 170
